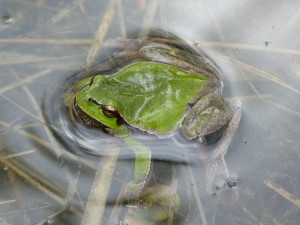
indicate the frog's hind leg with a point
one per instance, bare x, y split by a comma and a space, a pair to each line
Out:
216, 162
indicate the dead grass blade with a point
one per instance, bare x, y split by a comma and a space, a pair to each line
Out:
279, 190
149, 17
101, 32
94, 210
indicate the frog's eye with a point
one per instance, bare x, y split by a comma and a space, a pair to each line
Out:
109, 111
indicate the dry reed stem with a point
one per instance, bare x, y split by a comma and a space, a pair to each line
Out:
250, 214
35, 139
47, 41
3, 222
20, 169
150, 13
259, 72
279, 190
197, 196
43, 142
45, 220
7, 202
36, 5
33, 182
120, 199
241, 46
10, 156
101, 32
94, 210
21, 108
25, 80
63, 13
39, 113
120, 13
27, 135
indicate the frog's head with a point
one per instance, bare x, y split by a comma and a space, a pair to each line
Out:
94, 113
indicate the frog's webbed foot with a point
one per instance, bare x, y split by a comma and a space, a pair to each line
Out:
216, 162
215, 166
132, 193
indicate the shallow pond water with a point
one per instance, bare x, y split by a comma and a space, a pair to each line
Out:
46, 175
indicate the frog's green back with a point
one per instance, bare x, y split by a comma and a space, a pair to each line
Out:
149, 96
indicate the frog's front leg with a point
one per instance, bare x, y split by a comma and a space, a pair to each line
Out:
142, 167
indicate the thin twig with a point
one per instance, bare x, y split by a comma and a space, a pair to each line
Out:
251, 97
72, 188
17, 154
34, 182
172, 203
120, 199
3, 222
45, 220
35, 139
25, 80
163, 17
101, 32
35, 4
247, 47
121, 19
21, 108
149, 17
94, 210
197, 196
63, 13
250, 214
256, 70
48, 41
7, 202
283, 192
37, 109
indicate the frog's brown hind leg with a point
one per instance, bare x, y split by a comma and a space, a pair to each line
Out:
216, 162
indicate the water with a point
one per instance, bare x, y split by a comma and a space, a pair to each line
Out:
47, 179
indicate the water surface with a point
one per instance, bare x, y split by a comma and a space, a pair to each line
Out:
44, 45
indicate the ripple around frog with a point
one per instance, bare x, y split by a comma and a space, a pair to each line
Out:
88, 142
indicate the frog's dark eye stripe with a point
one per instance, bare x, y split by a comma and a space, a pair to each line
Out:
109, 111
94, 101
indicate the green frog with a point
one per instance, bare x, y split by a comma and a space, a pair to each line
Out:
166, 89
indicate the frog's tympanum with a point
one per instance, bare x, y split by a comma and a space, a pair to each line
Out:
169, 88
